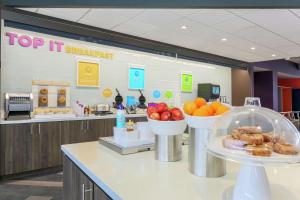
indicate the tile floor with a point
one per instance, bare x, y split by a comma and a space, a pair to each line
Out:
46, 187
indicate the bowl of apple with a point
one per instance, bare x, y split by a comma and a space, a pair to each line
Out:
164, 120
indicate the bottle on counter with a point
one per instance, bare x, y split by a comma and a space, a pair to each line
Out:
86, 110
120, 117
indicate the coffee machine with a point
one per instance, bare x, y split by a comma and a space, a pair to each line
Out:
208, 91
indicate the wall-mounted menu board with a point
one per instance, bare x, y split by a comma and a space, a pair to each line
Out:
88, 73
136, 78
186, 82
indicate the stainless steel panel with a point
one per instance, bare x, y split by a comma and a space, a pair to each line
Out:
168, 148
201, 163
109, 143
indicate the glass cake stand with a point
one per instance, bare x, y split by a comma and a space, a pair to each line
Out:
255, 137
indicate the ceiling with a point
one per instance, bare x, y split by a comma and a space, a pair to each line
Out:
250, 35
286, 76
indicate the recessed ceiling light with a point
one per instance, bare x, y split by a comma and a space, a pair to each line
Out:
183, 27
252, 48
224, 39
273, 55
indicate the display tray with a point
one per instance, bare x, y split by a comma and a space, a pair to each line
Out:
135, 147
216, 148
54, 116
110, 143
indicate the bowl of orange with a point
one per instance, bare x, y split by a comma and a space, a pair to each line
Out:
202, 114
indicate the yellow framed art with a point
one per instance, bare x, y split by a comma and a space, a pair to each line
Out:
88, 73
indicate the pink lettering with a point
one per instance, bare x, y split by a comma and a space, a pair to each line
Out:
51, 45
37, 42
25, 41
59, 45
12, 37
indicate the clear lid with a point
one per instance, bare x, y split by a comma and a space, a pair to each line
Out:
256, 134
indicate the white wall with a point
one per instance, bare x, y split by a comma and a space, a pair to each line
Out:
22, 65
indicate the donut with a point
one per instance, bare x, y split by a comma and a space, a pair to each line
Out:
249, 130
44, 91
286, 149
256, 139
61, 100
231, 143
260, 150
61, 92
43, 100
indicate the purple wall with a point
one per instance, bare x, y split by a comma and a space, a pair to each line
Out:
275, 66
283, 66
263, 88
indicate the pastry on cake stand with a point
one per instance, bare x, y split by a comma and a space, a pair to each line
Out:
255, 137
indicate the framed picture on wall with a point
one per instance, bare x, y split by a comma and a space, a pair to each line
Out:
88, 73
186, 82
136, 77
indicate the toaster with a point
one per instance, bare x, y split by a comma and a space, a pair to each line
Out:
102, 108
18, 105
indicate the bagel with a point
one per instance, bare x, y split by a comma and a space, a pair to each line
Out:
61, 92
44, 91
43, 99
61, 99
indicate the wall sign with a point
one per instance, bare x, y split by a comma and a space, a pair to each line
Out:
136, 78
88, 74
169, 94
156, 94
186, 82
27, 41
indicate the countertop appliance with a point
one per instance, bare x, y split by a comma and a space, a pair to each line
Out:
118, 99
102, 109
142, 101
18, 106
209, 91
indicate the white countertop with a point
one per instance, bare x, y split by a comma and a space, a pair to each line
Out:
140, 176
54, 118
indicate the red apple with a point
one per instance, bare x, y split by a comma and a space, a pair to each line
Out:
151, 109
155, 116
165, 116
176, 114
161, 107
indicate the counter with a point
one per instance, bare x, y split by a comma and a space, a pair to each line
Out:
54, 118
140, 177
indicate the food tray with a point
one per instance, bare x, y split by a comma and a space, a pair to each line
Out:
143, 145
216, 148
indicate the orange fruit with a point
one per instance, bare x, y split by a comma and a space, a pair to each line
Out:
189, 107
200, 112
200, 102
215, 105
222, 109
203, 111
210, 111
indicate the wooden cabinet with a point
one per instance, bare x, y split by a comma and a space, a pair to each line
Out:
72, 131
31, 146
77, 186
82, 130
99, 194
93, 130
108, 128
17, 147
48, 145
